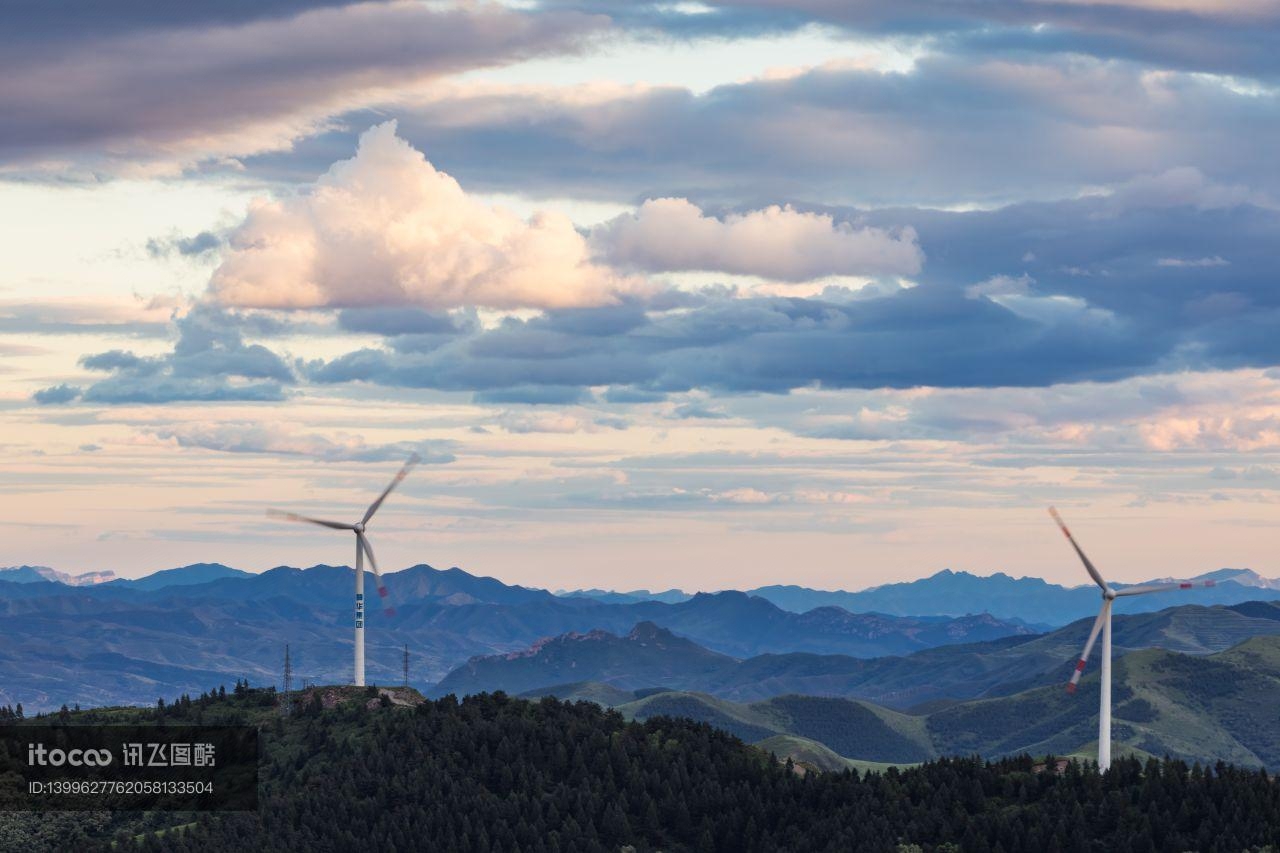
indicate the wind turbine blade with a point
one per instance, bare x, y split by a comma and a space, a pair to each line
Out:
293, 516
1093, 572
382, 588
1162, 587
1088, 646
404, 472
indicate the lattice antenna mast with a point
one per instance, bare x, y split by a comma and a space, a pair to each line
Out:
288, 678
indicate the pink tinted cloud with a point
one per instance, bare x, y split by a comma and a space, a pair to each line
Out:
387, 228
673, 234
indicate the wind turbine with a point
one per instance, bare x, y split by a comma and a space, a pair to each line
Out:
362, 548
1103, 624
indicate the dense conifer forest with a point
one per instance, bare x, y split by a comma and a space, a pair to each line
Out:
492, 773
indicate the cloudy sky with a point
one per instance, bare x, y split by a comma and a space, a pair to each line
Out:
697, 294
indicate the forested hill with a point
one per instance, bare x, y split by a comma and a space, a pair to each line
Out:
498, 774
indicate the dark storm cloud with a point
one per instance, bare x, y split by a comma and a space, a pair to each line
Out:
953, 129
117, 360
1228, 38
53, 20
925, 336
56, 395
626, 395
400, 320
192, 246
553, 395
191, 85
691, 411
210, 362
123, 389
1107, 251
1027, 295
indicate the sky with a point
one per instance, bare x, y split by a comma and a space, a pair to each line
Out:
696, 294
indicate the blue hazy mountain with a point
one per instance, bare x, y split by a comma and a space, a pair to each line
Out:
196, 573
41, 574
650, 657
1204, 708
26, 574
129, 642
133, 641
1032, 600
605, 596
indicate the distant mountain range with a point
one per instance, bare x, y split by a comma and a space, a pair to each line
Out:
1030, 601
197, 573
947, 593
187, 629
670, 596
40, 574
1209, 708
827, 685
651, 657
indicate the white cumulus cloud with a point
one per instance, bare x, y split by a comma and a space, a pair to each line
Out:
673, 234
387, 228
1214, 261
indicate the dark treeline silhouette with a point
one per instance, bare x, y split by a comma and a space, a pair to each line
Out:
491, 773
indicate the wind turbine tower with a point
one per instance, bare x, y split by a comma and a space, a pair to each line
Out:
363, 548
1103, 625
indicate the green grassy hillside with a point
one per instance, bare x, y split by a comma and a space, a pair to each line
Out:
742, 721
851, 728
923, 681
808, 754
1224, 706
590, 691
